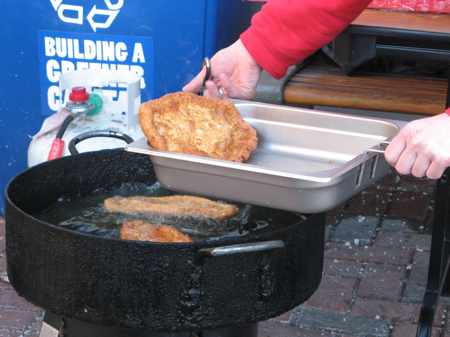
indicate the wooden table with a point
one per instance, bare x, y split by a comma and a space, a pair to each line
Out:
382, 33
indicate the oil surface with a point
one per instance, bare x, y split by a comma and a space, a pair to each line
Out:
88, 215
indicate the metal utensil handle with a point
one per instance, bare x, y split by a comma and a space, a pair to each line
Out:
240, 248
207, 63
375, 162
208, 70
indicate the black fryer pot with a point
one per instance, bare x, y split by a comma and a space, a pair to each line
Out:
158, 287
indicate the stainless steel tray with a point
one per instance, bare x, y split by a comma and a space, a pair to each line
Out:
306, 161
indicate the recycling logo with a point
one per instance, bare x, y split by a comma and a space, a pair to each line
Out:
74, 14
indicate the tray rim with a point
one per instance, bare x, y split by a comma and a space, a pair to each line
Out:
323, 176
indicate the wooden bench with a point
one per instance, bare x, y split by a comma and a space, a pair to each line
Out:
314, 82
320, 83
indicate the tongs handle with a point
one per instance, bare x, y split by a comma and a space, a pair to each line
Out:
207, 63
208, 70
375, 161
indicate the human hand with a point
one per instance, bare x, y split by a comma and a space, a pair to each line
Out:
422, 147
234, 70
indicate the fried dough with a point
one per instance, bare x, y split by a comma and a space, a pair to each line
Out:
139, 230
180, 205
187, 123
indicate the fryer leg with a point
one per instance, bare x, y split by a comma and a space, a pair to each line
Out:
439, 257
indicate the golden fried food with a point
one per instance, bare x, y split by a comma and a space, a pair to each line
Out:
139, 230
187, 123
179, 205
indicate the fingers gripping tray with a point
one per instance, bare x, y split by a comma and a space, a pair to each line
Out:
306, 161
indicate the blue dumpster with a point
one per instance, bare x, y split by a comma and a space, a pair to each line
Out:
163, 41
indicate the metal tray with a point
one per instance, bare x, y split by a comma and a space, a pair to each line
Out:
306, 161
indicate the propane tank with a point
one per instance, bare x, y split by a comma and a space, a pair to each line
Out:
97, 110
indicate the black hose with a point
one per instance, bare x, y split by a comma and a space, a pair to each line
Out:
64, 126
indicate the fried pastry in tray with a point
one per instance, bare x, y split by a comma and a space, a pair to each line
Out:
179, 205
191, 124
139, 230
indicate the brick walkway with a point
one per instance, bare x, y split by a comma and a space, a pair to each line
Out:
375, 269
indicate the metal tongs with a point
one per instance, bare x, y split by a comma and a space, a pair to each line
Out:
207, 76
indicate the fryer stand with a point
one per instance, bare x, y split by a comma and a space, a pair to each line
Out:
437, 284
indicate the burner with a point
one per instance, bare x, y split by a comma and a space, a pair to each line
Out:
56, 326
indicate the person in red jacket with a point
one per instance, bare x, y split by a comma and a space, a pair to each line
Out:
285, 32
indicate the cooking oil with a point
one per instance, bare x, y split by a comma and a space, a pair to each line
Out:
88, 215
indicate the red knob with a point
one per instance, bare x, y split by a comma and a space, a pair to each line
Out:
79, 94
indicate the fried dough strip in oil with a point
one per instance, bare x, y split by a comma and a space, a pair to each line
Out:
179, 205
139, 230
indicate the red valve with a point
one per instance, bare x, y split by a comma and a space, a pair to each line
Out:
79, 94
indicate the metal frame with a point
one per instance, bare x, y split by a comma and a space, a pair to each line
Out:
359, 44
437, 283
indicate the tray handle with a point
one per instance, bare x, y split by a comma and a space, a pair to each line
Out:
375, 161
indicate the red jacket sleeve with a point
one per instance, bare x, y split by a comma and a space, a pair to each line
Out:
285, 32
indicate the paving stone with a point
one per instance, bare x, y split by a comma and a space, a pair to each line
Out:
334, 294
3, 273
409, 204
331, 220
381, 282
268, 329
402, 225
10, 333
12, 301
444, 301
36, 328
447, 323
341, 267
394, 256
369, 202
440, 315
390, 310
338, 210
418, 266
356, 229
405, 329
389, 181
17, 320
2, 236
413, 294
284, 318
428, 227
2, 226
423, 185
403, 240
4, 285
342, 323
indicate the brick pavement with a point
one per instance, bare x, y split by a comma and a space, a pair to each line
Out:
375, 267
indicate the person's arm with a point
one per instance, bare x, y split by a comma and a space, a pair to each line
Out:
422, 147
282, 34
285, 32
